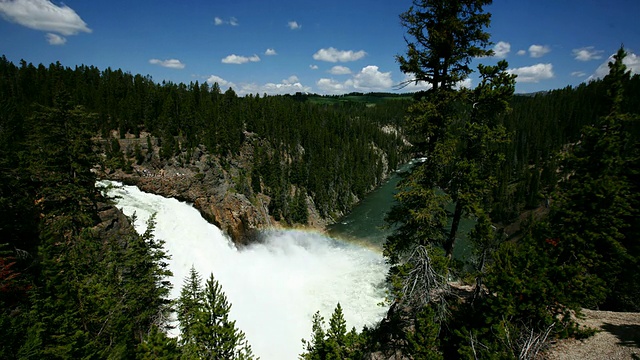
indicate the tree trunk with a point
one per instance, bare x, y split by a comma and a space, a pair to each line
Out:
455, 223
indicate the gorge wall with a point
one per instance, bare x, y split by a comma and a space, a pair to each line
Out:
208, 182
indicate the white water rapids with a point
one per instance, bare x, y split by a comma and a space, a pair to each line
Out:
275, 286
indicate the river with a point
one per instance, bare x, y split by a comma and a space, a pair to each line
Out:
366, 225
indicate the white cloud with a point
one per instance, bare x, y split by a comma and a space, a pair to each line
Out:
334, 55
466, 84
521, 52
340, 70
288, 86
218, 21
331, 86
43, 15
313, 67
237, 59
171, 63
370, 78
501, 49
632, 61
293, 25
578, 74
534, 73
537, 51
282, 88
587, 53
221, 82
270, 52
54, 39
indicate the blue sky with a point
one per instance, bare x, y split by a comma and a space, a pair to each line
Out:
325, 47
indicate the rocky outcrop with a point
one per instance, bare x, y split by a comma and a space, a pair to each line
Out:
200, 179
217, 202
113, 223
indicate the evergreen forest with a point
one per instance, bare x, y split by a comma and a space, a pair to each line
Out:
551, 180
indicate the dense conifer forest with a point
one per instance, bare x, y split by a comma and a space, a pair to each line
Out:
562, 165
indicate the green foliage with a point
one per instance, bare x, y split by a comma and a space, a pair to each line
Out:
68, 290
157, 345
594, 218
137, 151
423, 341
460, 133
98, 299
335, 342
333, 151
443, 38
206, 330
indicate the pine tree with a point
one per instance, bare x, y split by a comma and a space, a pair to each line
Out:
206, 330
594, 217
157, 345
336, 335
335, 342
423, 341
444, 37
459, 133
188, 306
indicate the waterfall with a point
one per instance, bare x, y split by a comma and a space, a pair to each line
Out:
274, 286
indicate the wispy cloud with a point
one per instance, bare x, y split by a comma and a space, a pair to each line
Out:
578, 74
534, 73
334, 55
270, 52
43, 15
218, 21
501, 49
538, 51
522, 52
171, 63
293, 25
238, 59
587, 53
313, 67
55, 39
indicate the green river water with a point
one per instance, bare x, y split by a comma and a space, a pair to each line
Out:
365, 224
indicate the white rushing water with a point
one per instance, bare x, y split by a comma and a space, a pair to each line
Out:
275, 286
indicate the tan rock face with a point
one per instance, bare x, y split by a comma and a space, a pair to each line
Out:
230, 211
202, 180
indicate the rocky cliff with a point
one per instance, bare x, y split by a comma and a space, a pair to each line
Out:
206, 181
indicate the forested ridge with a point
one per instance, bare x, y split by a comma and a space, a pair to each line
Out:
77, 282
